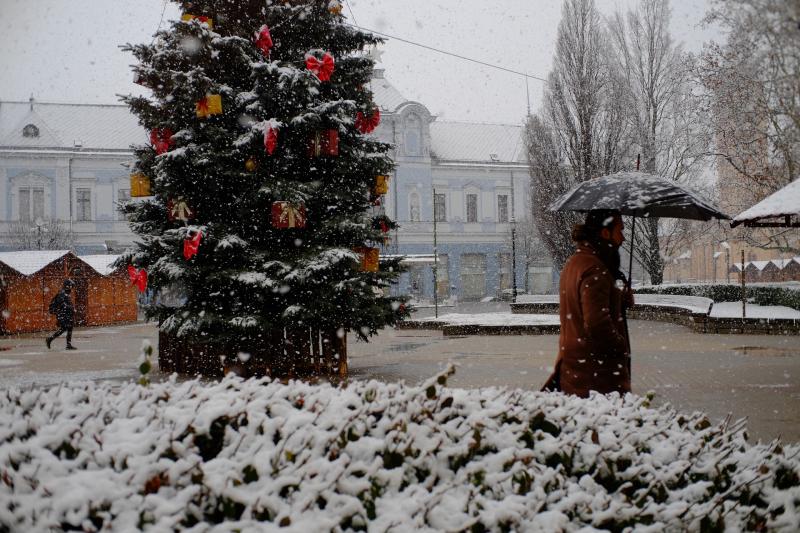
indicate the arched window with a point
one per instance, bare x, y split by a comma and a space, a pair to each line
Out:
30, 131
413, 206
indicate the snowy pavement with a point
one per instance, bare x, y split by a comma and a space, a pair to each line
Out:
746, 375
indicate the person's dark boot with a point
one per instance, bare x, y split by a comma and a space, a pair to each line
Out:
71, 347
47, 341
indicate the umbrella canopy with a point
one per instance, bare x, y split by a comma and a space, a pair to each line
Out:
784, 203
638, 194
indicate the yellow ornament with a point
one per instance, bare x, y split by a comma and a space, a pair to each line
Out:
140, 185
186, 17
251, 165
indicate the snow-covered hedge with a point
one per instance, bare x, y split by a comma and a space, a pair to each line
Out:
787, 295
261, 455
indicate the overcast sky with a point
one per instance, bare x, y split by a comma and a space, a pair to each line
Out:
67, 50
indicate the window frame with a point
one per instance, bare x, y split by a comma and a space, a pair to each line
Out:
471, 219
502, 210
80, 215
440, 207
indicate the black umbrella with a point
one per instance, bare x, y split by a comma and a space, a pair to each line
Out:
637, 194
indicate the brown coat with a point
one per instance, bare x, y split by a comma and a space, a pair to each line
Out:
594, 353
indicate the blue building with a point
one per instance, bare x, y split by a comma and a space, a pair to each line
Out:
69, 162
477, 178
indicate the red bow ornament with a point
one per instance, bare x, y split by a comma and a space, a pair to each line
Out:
138, 277
322, 69
368, 124
270, 139
190, 245
264, 40
161, 139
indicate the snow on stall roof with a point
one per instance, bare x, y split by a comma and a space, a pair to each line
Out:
785, 201
87, 126
470, 141
28, 262
100, 263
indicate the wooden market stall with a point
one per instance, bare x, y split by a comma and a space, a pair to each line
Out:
30, 279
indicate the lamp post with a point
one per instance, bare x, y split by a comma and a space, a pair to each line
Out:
435, 260
39, 230
727, 247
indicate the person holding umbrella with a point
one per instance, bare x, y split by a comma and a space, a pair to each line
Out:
594, 348
594, 351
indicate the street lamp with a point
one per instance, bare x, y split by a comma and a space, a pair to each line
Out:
39, 230
727, 247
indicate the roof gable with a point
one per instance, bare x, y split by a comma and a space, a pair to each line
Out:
45, 137
105, 127
29, 262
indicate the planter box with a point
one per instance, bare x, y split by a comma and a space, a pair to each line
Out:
301, 352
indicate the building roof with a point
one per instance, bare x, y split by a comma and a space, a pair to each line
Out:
470, 141
384, 93
30, 262
114, 127
69, 126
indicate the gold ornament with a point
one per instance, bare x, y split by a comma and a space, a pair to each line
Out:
251, 165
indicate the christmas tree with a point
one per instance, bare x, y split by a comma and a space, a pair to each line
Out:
261, 185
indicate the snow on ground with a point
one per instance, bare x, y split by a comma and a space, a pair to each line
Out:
734, 310
257, 455
494, 319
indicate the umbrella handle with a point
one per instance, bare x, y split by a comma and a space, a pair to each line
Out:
630, 259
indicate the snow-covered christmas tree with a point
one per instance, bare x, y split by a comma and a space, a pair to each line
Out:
261, 188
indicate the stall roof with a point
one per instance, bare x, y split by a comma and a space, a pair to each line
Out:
782, 203
30, 262
100, 263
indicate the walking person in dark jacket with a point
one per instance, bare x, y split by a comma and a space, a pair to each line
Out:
62, 307
594, 351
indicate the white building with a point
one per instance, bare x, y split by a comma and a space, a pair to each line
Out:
69, 162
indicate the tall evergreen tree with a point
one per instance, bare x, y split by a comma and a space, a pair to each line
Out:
287, 147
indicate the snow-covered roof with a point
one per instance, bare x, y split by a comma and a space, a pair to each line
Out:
30, 262
100, 263
471, 141
783, 263
88, 126
758, 264
384, 93
783, 202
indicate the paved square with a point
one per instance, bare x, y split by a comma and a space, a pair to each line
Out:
745, 375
